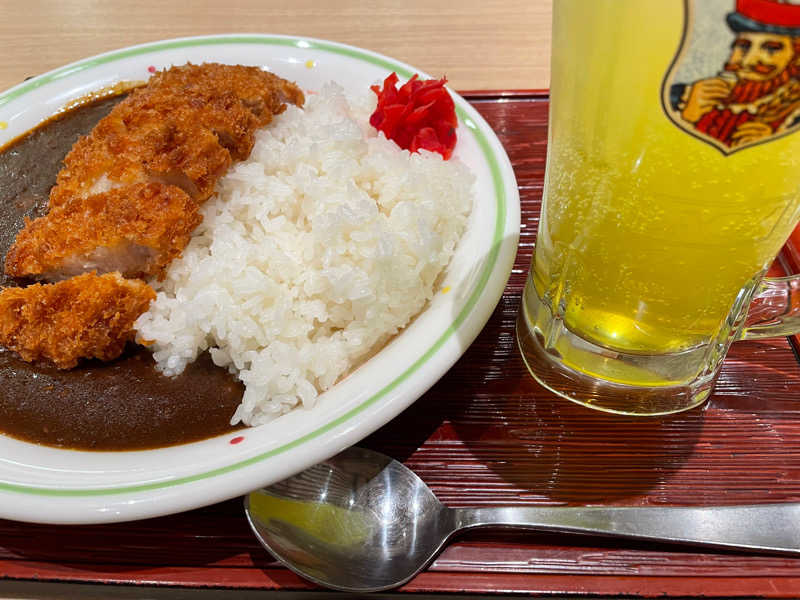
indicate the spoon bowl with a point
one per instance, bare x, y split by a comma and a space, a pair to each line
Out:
362, 522
362, 511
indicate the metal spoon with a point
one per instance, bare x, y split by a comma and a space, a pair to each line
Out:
362, 522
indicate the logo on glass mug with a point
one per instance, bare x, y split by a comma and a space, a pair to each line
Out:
735, 79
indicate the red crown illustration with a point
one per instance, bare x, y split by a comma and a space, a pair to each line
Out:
765, 16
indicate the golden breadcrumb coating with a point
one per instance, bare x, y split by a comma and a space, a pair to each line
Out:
89, 316
263, 93
140, 147
90, 167
136, 230
183, 128
220, 111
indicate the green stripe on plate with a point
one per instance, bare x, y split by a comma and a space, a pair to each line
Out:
480, 285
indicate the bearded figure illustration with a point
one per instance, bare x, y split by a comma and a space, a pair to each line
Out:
756, 95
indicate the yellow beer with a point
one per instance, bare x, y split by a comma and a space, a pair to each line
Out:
673, 179
648, 233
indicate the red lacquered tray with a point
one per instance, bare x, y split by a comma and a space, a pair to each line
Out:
487, 434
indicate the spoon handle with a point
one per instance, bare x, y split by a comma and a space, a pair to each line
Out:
766, 527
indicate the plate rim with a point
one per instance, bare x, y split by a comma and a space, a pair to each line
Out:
506, 209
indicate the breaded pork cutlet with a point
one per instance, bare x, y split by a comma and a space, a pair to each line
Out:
129, 146
137, 231
263, 93
183, 128
90, 316
220, 111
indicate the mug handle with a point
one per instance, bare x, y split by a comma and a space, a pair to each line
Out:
775, 309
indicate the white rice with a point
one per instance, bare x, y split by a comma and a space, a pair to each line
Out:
312, 254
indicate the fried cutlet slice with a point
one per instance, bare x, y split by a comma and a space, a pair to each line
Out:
183, 128
181, 152
91, 168
136, 230
90, 316
176, 150
220, 111
263, 93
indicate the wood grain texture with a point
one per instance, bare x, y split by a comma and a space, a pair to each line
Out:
478, 44
487, 434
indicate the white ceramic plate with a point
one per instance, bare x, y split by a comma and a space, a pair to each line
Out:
49, 485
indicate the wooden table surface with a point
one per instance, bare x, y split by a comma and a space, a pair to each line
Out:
477, 44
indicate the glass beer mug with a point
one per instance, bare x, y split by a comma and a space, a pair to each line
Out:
673, 179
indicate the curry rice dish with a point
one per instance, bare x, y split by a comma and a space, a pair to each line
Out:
321, 242
125, 204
